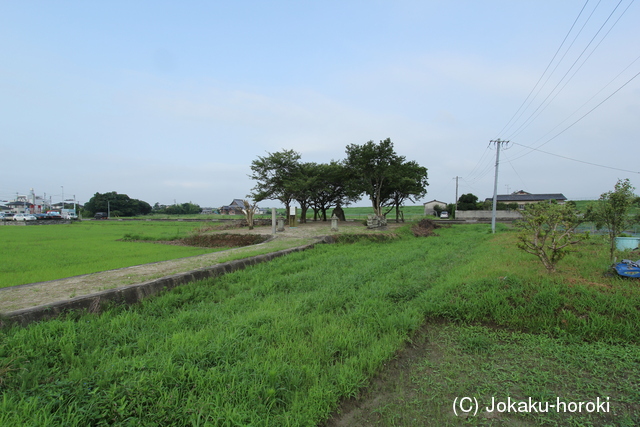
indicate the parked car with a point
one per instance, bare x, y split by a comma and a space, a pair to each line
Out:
6, 216
69, 215
24, 217
101, 215
41, 216
444, 214
54, 215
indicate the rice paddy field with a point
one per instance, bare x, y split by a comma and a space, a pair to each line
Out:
31, 254
300, 340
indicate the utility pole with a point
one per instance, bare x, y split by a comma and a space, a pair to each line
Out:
498, 143
454, 213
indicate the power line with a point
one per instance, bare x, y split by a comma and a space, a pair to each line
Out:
555, 90
582, 117
542, 106
589, 100
572, 159
546, 69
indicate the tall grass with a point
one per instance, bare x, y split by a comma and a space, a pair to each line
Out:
277, 344
280, 344
504, 286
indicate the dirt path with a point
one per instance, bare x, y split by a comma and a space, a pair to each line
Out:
35, 294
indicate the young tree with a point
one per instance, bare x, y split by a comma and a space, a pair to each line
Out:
611, 211
548, 230
249, 211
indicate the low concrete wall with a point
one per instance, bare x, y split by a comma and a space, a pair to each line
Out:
43, 222
486, 215
132, 294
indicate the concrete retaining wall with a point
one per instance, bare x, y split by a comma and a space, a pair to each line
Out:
486, 215
135, 293
43, 222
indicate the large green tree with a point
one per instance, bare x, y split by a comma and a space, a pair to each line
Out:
373, 167
332, 186
117, 205
408, 181
468, 202
275, 176
612, 211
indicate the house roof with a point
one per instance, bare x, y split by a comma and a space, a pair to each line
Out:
507, 198
434, 201
19, 203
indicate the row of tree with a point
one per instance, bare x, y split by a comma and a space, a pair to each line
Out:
370, 169
177, 209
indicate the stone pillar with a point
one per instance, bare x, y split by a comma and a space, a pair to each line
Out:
334, 223
280, 224
273, 220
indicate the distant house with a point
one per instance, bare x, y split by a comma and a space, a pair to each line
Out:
523, 198
429, 207
234, 208
20, 206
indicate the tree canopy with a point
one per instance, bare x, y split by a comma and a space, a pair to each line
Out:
383, 175
117, 204
177, 209
275, 176
468, 202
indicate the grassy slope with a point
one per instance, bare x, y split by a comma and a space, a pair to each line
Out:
282, 343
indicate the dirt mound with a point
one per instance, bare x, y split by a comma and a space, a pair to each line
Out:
221, 240
354, 238
425, 228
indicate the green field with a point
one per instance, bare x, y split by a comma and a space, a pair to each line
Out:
38, 253
283, 343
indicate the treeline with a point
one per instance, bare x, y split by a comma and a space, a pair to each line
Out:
122, 205
372, 170
177, 209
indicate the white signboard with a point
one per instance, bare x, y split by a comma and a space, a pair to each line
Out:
292, 210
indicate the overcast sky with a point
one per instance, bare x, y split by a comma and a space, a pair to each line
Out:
171, 101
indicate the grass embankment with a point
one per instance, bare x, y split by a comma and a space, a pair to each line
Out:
282, 343
38, 253
351, 213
